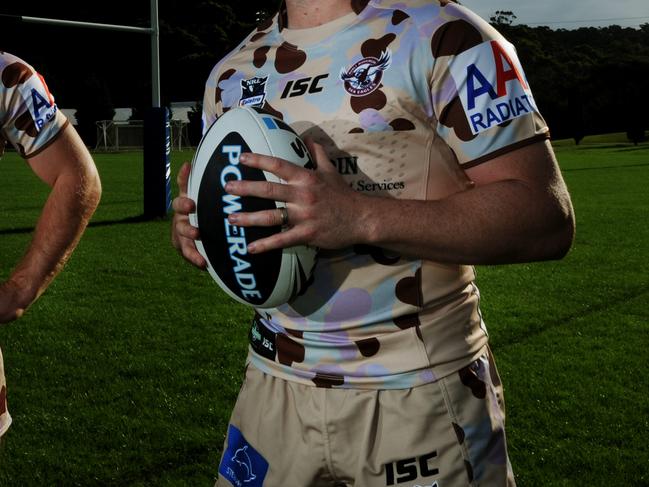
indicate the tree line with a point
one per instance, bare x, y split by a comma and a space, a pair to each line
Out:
585, 81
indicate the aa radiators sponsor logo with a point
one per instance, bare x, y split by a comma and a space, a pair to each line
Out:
39, 100
492, 85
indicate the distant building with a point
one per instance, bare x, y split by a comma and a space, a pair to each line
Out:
180, 109
69, 114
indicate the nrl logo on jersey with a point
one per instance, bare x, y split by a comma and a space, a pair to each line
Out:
365, 76
253, 92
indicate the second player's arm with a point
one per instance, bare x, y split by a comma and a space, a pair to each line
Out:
68, 168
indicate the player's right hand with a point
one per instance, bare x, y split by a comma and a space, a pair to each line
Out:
11, 302
183, 233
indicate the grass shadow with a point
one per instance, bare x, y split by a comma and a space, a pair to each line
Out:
103, 223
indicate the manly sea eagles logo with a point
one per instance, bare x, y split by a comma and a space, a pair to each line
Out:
253, 92
365, 76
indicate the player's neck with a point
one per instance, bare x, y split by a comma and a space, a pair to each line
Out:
303, 14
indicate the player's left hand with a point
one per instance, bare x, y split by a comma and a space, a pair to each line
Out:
183, 234
323, 211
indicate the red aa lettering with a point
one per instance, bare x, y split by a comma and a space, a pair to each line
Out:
503, 75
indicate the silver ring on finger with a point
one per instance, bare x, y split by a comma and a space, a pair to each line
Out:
283, 215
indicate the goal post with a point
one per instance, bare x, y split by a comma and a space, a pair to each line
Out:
157, 137
157, 174
157, 163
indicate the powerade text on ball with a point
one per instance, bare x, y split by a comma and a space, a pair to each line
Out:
236, 236
267, 279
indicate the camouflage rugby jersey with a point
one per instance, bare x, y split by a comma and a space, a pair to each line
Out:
403, 95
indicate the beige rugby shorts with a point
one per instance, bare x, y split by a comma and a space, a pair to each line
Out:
449, 433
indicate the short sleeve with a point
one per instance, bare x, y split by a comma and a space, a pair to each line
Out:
210, 101
481, 98
217, 98
29, 117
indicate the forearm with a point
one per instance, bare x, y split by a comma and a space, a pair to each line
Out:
72, 200
478, 226
518, 210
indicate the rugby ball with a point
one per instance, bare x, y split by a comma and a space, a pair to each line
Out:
264, 280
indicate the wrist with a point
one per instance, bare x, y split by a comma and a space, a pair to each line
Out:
368, 219
22, 290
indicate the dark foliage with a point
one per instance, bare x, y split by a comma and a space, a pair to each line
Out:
195, 127
194, 35
585, 81
98, 106
588, 80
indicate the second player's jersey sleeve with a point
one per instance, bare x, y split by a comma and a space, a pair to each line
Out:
481, 98
29, 117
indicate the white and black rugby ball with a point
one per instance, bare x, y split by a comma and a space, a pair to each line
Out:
263, 280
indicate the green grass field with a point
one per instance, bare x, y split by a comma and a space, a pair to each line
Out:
124, 372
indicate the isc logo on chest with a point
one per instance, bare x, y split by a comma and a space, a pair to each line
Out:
492, 85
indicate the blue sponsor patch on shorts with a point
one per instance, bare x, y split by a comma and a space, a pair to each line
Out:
242, 465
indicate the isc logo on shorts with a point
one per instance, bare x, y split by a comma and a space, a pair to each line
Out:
410, 469
492, 85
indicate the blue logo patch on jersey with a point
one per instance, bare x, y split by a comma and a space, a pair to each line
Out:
242, 465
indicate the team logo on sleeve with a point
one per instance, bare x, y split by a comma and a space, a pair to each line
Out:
253, 92
492, 85
39, 100
365, 76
